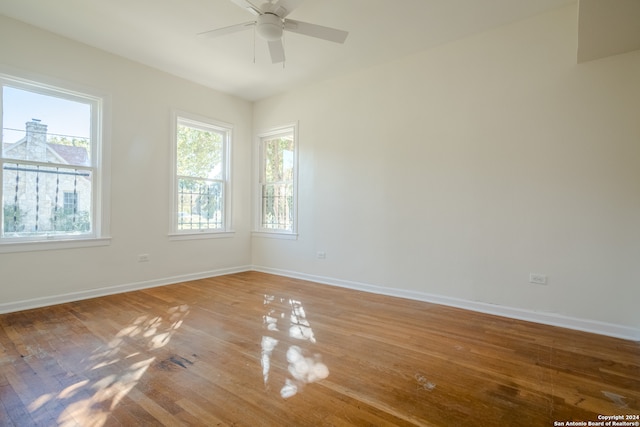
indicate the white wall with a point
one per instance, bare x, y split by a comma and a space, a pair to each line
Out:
141, 100
455, 173
458, 171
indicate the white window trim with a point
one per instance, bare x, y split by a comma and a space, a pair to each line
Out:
198, 120
258, 230
100, 155
42, 245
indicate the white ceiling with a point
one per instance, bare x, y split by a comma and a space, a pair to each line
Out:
162, 34
607, 28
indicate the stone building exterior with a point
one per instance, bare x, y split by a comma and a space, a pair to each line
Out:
43, 190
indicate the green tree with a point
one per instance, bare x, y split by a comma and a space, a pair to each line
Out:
71, 141
199, 153
277, 190
13, 217
199, 163
278, 167
68, 220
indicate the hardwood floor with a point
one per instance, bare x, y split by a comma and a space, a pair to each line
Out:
253, 349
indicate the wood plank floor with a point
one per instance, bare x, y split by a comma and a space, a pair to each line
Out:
253, 349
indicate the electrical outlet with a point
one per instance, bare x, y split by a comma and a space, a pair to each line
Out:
538, 279
143, 258
321, 255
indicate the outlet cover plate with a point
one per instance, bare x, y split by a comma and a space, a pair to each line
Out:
538, 279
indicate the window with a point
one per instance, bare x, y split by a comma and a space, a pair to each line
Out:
201, 183
277, 181
51, 165
70, 202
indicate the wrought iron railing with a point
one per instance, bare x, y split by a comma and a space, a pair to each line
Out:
277, 206
34, 201
200, 204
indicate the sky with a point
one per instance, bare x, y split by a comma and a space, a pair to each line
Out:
62, 116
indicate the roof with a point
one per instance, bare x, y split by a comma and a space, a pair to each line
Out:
68, 154
72, 155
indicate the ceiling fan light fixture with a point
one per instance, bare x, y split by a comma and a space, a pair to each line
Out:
270, 23
269, 27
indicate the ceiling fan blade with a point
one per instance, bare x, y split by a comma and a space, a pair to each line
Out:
283, 8
247, 5
228, 30
317, 31
276, 49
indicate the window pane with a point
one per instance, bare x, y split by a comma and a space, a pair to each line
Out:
70, 201
45, 128
277, 206
199, 153
48, 176
200, 204
201, 175
279, 159
39, 200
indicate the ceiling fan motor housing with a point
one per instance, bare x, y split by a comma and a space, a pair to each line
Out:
270, 23
269, 27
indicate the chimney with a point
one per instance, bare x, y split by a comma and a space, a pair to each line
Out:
36, 140
36, 132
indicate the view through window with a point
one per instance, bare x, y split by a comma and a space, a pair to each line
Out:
49, 172
201, 175
278, 166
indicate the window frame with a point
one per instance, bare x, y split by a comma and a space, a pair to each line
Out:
179, 117
99, 156
259, 168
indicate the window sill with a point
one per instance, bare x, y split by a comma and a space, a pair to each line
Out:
201, 235
46, 245
275, 235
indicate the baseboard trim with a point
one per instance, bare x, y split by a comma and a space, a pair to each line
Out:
551, 319
112, 290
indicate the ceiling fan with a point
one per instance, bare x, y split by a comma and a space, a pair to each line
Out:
271, 21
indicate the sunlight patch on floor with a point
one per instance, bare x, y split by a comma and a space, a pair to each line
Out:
302, 368
90, 400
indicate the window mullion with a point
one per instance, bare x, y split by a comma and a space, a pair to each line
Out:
9, 160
